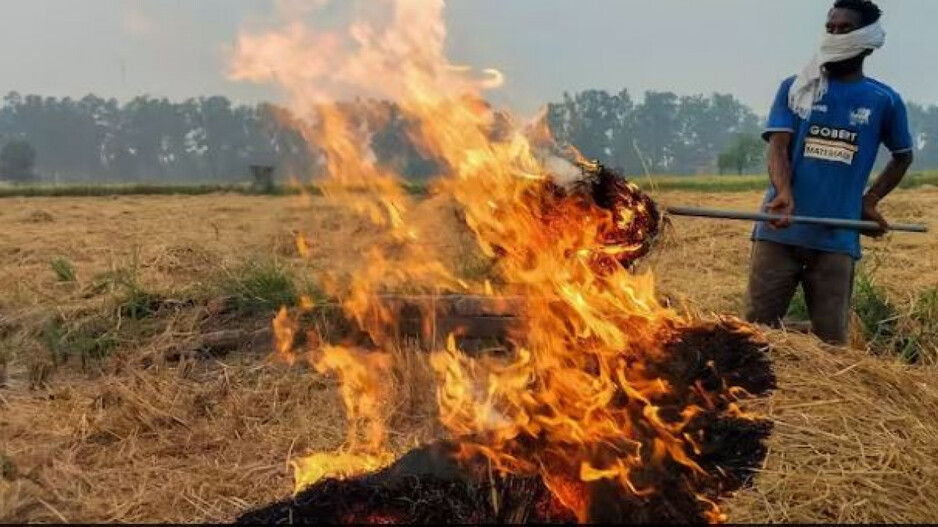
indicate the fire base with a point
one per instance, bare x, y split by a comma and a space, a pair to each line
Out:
429, 486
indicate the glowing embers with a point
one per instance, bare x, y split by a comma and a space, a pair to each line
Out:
636, 220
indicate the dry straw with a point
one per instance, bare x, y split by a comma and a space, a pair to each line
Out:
204, 440
854, 440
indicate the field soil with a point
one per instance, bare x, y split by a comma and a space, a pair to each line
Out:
160, 430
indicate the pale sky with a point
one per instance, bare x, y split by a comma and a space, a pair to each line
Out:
174, 48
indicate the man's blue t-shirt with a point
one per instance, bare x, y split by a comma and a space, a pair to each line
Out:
832, 155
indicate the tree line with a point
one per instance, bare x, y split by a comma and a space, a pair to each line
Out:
665, 133
671, 134
100, 140
210, 139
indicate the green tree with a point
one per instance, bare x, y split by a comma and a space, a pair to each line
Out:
590, 121
656, 125
708, 125
17, 160
392, 143
746, 152
924, 123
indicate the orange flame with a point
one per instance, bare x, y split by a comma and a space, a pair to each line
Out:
316, 467
575, 405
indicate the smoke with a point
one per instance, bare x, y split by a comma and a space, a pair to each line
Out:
562, 170
136, 22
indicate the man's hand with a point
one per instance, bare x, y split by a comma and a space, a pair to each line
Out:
783, 205
870, 213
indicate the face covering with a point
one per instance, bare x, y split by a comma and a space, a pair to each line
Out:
811, 84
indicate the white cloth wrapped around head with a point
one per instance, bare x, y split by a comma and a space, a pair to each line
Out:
811, 84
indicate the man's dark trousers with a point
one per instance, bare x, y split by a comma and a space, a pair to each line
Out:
827, 279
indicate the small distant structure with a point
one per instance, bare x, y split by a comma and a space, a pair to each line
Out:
263, 178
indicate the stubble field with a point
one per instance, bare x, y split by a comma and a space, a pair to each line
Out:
138, 385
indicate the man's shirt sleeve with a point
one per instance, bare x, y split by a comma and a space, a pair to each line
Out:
896, 135
781, 117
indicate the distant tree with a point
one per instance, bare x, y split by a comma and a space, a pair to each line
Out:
663, 133
924, 123
708, 125
746, 152
92, 139
656, 125
589, 121
17, 161
392, 143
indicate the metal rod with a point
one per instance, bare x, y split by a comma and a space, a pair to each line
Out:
761, 216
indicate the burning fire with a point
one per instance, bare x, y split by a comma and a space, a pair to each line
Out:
578, 403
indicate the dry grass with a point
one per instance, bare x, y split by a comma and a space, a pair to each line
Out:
182, 443
854, 440
161, 445
181, 241
143, 439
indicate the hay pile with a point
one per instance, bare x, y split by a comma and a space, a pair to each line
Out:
177, 442
206, 440
699, 364
854, 441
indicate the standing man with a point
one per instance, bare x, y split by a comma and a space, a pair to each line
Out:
824, 132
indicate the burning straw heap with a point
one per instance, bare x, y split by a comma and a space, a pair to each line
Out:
672, 443
610, 405
432, 485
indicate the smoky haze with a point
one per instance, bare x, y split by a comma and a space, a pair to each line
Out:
175, 48
669, 86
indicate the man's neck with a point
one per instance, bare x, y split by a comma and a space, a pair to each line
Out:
850, 70
850, 76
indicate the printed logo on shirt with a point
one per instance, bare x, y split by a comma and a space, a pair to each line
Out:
831, 144
860, 116
821, 108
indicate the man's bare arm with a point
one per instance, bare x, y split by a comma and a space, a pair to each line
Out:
887, 181
779, 165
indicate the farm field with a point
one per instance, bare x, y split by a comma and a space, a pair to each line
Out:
699, 183
178, 238
139, 384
